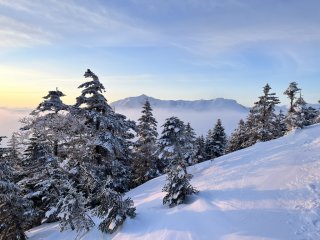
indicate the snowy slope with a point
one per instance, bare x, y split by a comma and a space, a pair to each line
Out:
202, 114
268, 191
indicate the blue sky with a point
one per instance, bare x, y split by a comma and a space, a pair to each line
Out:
170, 49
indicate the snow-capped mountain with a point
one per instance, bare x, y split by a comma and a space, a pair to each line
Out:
202, 114
268, 191
197, 105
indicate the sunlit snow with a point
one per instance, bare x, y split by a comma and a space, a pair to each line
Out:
268, 191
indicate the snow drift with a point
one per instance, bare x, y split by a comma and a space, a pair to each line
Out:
268, 191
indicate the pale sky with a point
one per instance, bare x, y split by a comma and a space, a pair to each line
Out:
173, 49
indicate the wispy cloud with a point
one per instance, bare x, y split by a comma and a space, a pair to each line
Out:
68, 22
201, 27
14, 33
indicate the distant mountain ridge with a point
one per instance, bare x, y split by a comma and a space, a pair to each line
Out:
201, 114
198, 105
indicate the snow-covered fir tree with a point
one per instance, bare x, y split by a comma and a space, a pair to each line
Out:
178, 186
291, 92
200, 153
13, 207
146, 148
216, 141
13, 149
113, 132
280, 124
264, 114
261, 121
190, 138
238, 138
51, 103
297, 118
311, 115
113, 208
173, 154
172, 144
72, 210
36, 182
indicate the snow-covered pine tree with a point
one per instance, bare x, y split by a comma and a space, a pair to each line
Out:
52, 103
265, 116
291, 92
35, 180
13, 149
261, 121
172, 144
207, 144
200, 147
72, 210
238, 138
173, 153
216, 141
12, 205
145, 148
297, 118
111, 151
311, 115
178, 186
190, 138
113, 208
280, 125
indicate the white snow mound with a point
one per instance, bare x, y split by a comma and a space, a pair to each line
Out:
268, 191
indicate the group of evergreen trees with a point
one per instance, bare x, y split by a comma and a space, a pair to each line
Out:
264, 123
72, 162
69, 163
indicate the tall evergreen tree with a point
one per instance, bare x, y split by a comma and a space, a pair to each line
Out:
51, 105
291, 92
145, 162
190, 138
311, 115
200, 146
35, 183
280, 125
265, 115
173, 153
216, 141
12, 206
108, 157
112, 146
172, 144
261, 121
238, 138
297, 118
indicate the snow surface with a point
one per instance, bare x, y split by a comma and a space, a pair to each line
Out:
268, 191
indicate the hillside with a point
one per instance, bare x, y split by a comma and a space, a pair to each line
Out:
202, 114
268, 191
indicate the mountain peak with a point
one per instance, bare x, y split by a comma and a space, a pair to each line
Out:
198, 105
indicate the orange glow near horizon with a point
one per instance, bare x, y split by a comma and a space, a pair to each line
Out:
25, 88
